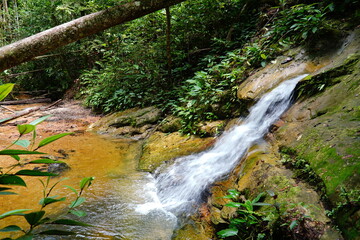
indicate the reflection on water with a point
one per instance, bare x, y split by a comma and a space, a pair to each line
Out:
112, 199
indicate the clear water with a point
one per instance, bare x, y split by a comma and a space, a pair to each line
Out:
180, 186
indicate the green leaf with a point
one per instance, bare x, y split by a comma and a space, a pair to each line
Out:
77, 202
34, 217
26, 237
4, 188
233, 204
49, 200
57, 232
11, 228
16, 212
228, 232
7, 193
263, 56
16, 157
39, 120
70, 222
26, 128
34, 173
51, 139
5, 89
46, 161
78, 213
18, 152
12, 180
23, 143
293, 224
72, 189
86, 182
257, 197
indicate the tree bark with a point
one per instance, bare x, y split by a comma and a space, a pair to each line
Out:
38, 44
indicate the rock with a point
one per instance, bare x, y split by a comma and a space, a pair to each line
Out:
135, 123
212, 128
160, 147
58, 168
170, 124
273, 74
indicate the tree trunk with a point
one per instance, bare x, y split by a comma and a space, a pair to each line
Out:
38, 44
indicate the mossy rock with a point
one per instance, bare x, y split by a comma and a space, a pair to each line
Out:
161, 147
170, 124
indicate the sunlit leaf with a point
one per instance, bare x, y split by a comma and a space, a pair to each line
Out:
27, 172
52, 139
228, 232
5, 89
40, 120
77, 202
86, 182
26, 128
12, 180
18, 152
23, 143
34, 217
50, 200
72, 189
46, 161
78, 213
16, 212
11, 228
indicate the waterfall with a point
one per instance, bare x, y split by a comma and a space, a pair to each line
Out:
180, 186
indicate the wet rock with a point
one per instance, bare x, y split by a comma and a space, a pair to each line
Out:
170, 124
160, 147
212, 128
130, 123
273, 74
58, 168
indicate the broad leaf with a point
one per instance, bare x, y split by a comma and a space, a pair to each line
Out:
78, 213
26, 128
12, 180
39, 120
72, 189
77, 202
86, 182
233, 204
5, 89
57, 232
50, 200
11, 228
70, 222
34, 217
7, 193
23, 143
16, 212
26, 237
51, 139
47, 161
228, 232
34, 173
18, 152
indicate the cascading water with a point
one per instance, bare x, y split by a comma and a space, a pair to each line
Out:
180, 186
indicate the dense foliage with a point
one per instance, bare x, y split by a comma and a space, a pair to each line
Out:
214, 46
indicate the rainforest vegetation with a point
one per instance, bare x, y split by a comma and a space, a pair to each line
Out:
188, 60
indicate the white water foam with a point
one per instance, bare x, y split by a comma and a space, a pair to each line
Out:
178, 188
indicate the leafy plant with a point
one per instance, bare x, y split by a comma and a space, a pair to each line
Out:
9, 177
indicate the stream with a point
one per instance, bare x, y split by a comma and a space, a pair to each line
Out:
124, 203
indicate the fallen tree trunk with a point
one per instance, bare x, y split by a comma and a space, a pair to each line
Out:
38, 44
26, 101
27, 111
